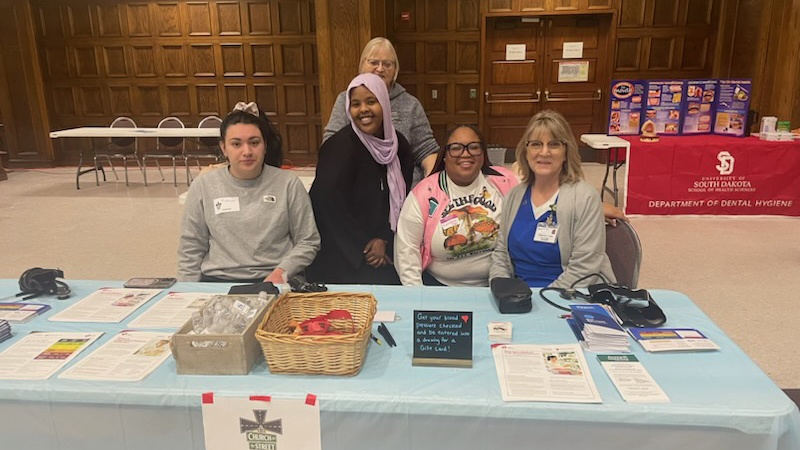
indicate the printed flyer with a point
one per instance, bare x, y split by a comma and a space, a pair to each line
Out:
625, 111
663, 107
732, 107
698, 112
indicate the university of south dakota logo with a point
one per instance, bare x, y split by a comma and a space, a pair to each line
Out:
261, 435
725, 165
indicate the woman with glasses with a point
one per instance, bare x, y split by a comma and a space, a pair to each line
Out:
408, 116
362, 177
450, 222
551, 228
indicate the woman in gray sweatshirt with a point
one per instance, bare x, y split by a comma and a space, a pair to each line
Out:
248, 221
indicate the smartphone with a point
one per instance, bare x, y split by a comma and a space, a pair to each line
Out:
153, 283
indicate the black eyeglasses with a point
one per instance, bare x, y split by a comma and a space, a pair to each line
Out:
456, 149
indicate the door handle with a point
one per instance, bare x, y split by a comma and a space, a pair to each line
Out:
529, 99
595, 98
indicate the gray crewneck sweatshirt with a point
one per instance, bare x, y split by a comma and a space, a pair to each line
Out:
244, 229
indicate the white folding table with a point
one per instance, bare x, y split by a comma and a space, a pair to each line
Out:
119, 132
604, 142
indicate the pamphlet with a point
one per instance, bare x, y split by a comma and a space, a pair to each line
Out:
598, 328
21, 312
698, 111
544, 373
172, 311
106, 305
663, 105
632, 380
625, 115
128, 356
38, 356
672, 339
732, 107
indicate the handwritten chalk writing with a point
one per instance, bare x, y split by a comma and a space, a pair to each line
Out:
446, 335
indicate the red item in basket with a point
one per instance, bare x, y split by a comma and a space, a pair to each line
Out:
321, 326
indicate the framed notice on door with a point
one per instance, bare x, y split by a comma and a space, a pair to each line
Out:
573, 71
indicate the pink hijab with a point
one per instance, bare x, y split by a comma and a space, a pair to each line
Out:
383, 151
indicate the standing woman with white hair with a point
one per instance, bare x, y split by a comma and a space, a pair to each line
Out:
408, 116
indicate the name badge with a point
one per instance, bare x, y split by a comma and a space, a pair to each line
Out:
448, 221
226, 205
546, 233
270, 199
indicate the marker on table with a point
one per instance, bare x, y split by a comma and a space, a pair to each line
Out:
386, 335
372, 336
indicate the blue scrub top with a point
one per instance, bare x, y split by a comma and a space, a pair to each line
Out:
536, 263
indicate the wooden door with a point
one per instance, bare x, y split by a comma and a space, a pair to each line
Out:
516, 90
574, 86
511, 89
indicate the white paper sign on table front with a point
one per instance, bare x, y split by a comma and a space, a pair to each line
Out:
277, 424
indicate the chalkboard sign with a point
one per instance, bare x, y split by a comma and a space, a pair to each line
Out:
442, 338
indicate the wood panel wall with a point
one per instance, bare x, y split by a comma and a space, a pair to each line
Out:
667, 39
189, 59
343, 28
438, 46
25, 120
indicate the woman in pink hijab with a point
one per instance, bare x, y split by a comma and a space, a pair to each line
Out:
363, 176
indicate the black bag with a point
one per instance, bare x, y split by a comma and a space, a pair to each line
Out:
255, 288
513, 296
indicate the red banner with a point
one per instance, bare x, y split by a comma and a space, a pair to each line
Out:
713, 175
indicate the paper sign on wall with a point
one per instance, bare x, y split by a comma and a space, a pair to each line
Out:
515, 52
573, 71
260, 424
572, 50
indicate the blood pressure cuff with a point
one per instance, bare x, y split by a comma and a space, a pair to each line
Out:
512, 295
634, 307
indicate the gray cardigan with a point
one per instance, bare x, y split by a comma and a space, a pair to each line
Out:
581, 235
408, 118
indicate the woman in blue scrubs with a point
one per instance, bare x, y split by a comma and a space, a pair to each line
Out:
552, 230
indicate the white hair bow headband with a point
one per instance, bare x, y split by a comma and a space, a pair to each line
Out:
250, 108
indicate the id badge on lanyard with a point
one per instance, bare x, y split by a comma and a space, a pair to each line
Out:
546, 231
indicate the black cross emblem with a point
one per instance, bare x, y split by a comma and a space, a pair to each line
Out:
274, 426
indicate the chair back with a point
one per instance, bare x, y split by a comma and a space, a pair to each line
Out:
210, 122
625, 252
170, 122
123, 122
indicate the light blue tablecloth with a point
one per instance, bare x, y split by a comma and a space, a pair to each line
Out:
718, 399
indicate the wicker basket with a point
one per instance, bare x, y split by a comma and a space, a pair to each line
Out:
324, 355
